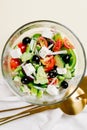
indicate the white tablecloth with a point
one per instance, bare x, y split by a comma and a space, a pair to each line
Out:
13, 14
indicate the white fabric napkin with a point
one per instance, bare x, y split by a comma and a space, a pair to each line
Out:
47, 120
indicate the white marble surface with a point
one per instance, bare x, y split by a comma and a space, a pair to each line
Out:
13, 14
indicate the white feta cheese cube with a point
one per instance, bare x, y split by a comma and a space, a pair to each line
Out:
61, 70
47, 33
29, 69
16, 53
52, 90
44, 52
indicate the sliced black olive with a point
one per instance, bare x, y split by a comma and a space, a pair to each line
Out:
36, 59
53, 73
66, 58
64, 84
26, 79
26, 40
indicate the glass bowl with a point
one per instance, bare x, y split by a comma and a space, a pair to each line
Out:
36, 27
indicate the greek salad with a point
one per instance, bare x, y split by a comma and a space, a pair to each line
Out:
43, 63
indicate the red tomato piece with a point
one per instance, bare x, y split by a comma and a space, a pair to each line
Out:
67, 44
14, 63
57, 45
42, 41
22, 47
49, 63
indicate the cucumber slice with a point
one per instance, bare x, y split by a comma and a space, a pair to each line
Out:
59, 61
41, 77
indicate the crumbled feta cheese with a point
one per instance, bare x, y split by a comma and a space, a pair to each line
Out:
29, 69
16, 53
61, 70
52, 90
47, 33
44, 52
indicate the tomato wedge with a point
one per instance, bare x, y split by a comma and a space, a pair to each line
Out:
22, 47
67, 44
48, 63
42, 41
14, 63
57, 45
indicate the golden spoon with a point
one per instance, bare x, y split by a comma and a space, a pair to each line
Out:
76, 103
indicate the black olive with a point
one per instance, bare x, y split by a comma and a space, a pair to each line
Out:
36, 59
26, 40
53, 73
25, 80
64, 84
50, 42
66, 58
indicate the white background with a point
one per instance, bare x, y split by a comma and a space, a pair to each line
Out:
73, 14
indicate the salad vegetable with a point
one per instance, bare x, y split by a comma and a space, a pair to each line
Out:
43, 63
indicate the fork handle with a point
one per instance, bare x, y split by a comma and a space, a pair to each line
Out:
27, 113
